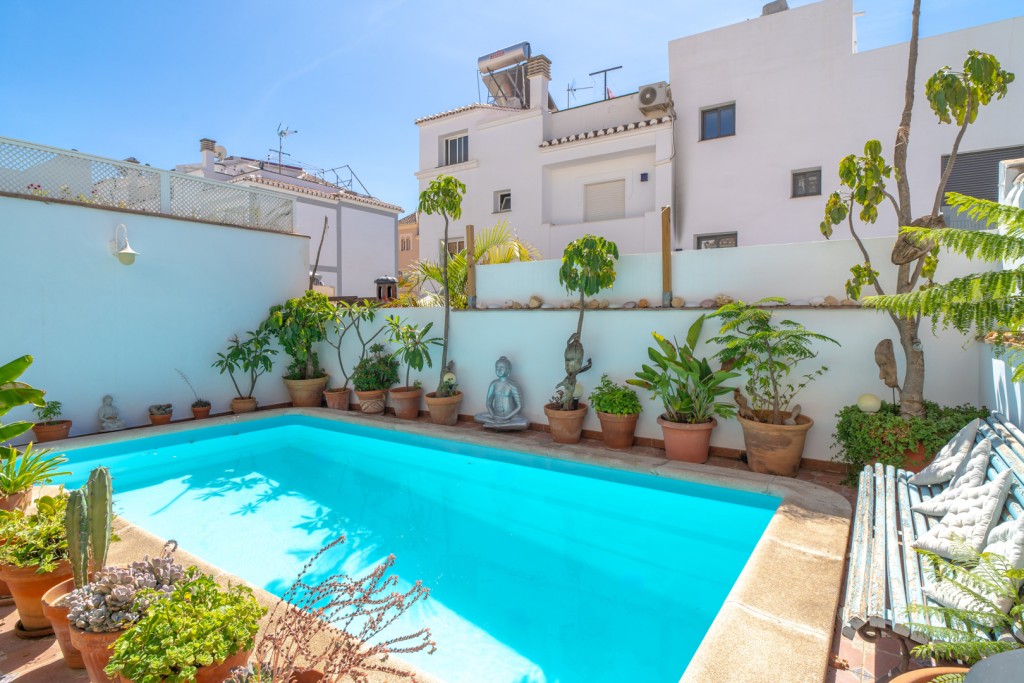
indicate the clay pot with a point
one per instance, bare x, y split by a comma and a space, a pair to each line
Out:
371, 402
58, 616
915, 460
243, 405
160, 419
307, 676
775, 449
566, 425
406, 401
927, 675
218, 673
443, 410
617, 430
201, 413
16, 501
338, 399
306, 393
96, 652
52, 431
27, 588
687, 442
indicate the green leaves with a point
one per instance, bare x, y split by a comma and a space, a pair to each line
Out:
443, 196
413, 344
37, 540
14, 394
614, 399
863, 274
252, 356
20, 471
958, 95
299, 324
865, 177
588, 265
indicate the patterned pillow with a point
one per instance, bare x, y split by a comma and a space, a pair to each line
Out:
972, 514
970, 472
946, 461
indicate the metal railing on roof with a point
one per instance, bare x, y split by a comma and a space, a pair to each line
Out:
37, 170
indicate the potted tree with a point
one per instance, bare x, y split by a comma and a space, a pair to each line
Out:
50, 427
252, 357
200, 407
773, 431
350, 320
588, 266
444, 196
299, 324
414, 352
618, 409
688, 389
372, 376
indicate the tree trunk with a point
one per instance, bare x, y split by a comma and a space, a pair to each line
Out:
447, 308
912, 393
899, 155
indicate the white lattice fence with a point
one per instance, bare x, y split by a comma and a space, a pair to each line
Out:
213, 201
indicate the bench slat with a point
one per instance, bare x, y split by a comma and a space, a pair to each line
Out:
911, 567
897, 615
876, 571
855, 609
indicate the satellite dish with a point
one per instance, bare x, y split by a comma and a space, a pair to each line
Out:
220, 152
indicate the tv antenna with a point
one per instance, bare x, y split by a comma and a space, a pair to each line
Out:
282, 133
570, 92
605, 72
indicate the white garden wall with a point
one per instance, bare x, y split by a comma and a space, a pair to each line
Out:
98, 327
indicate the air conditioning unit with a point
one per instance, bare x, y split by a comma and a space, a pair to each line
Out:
655, 97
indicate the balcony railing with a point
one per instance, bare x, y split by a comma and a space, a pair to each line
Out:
40, 171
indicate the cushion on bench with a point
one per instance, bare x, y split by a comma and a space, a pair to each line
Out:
971, 515
970, 472
946, 461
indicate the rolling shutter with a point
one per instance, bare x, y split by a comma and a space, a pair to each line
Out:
605, 201
976, 174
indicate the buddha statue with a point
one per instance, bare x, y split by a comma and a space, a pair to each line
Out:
504, 401
109, 421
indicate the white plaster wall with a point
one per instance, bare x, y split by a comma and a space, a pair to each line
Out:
369, 249
565, 185
603, 114
97, 327
804, 100
998, 392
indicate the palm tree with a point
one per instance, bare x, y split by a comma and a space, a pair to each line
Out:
498, 244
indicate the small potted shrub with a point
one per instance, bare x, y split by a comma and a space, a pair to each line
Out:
350, 320
200, 407
22, 470
618, 409
253, 358
414, 352
198, 632
689, 390
372, 376
299, 324
161, 413
588, 266
773, 433
50, 427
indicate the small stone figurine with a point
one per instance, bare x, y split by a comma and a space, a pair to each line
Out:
109, 421
503, 401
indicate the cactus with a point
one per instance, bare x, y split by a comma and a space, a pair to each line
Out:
78, 536
101, 514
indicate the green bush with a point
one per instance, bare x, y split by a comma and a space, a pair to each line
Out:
614, 399
36, 540
378, 370
885, 437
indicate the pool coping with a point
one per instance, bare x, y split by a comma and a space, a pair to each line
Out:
779, 615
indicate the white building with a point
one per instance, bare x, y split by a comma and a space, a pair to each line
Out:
362, 232
760, 114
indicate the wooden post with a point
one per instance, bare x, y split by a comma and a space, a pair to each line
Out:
666, 257
470, 268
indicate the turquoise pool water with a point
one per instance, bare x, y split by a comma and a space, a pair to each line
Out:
540, 571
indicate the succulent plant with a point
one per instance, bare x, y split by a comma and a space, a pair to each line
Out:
250, 673
111, 601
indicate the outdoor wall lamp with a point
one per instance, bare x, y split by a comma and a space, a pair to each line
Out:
126, 255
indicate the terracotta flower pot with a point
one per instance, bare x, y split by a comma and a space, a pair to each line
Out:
775, 449
160, 419
916, 460
566, 425
243, 405
52, 431
371, 402
58, 616
16, 501
927, 675
443, 410
201, 413
307, 676
96, 652
218, 673
617, 430
338, 399
307, 393
27, 588
687, 442
406, 401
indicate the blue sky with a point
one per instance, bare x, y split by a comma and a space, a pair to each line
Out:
148, 79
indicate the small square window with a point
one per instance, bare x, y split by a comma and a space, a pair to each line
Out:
502, 201
718, 122
455, 245
456, 150
720, 240
807, 183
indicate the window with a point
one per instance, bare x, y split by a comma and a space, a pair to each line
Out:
718, 122
807, 183
406, 243
455, 245
604, 201
456, 149
975, 174
502, 201
720, 240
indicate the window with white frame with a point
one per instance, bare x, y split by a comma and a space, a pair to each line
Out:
455, 149
721, 240
807, 183
604, 201
502, 201
456, 244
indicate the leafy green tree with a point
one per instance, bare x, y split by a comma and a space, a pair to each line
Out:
953, 96
299, 324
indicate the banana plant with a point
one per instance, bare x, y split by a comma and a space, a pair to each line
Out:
14, 394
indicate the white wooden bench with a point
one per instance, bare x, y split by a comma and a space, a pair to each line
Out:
885, 573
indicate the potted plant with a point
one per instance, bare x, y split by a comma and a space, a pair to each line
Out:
50, 427
350, 319
588, 266
299, 324
34, 558
160, 413
22, 470
687, 388
618, 409
414, 352
372, 376
773, 432
444, 196
198, 632
200, 407
252, 357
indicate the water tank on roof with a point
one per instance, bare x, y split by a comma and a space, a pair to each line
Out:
502, 58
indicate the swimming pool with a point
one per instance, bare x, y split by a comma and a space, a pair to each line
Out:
540, 570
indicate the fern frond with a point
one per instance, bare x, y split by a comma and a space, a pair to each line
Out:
991, 213
982, 245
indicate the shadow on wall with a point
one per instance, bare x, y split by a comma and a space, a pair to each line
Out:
1003, 394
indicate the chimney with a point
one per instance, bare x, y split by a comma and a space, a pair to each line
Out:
206, 146
538, 73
